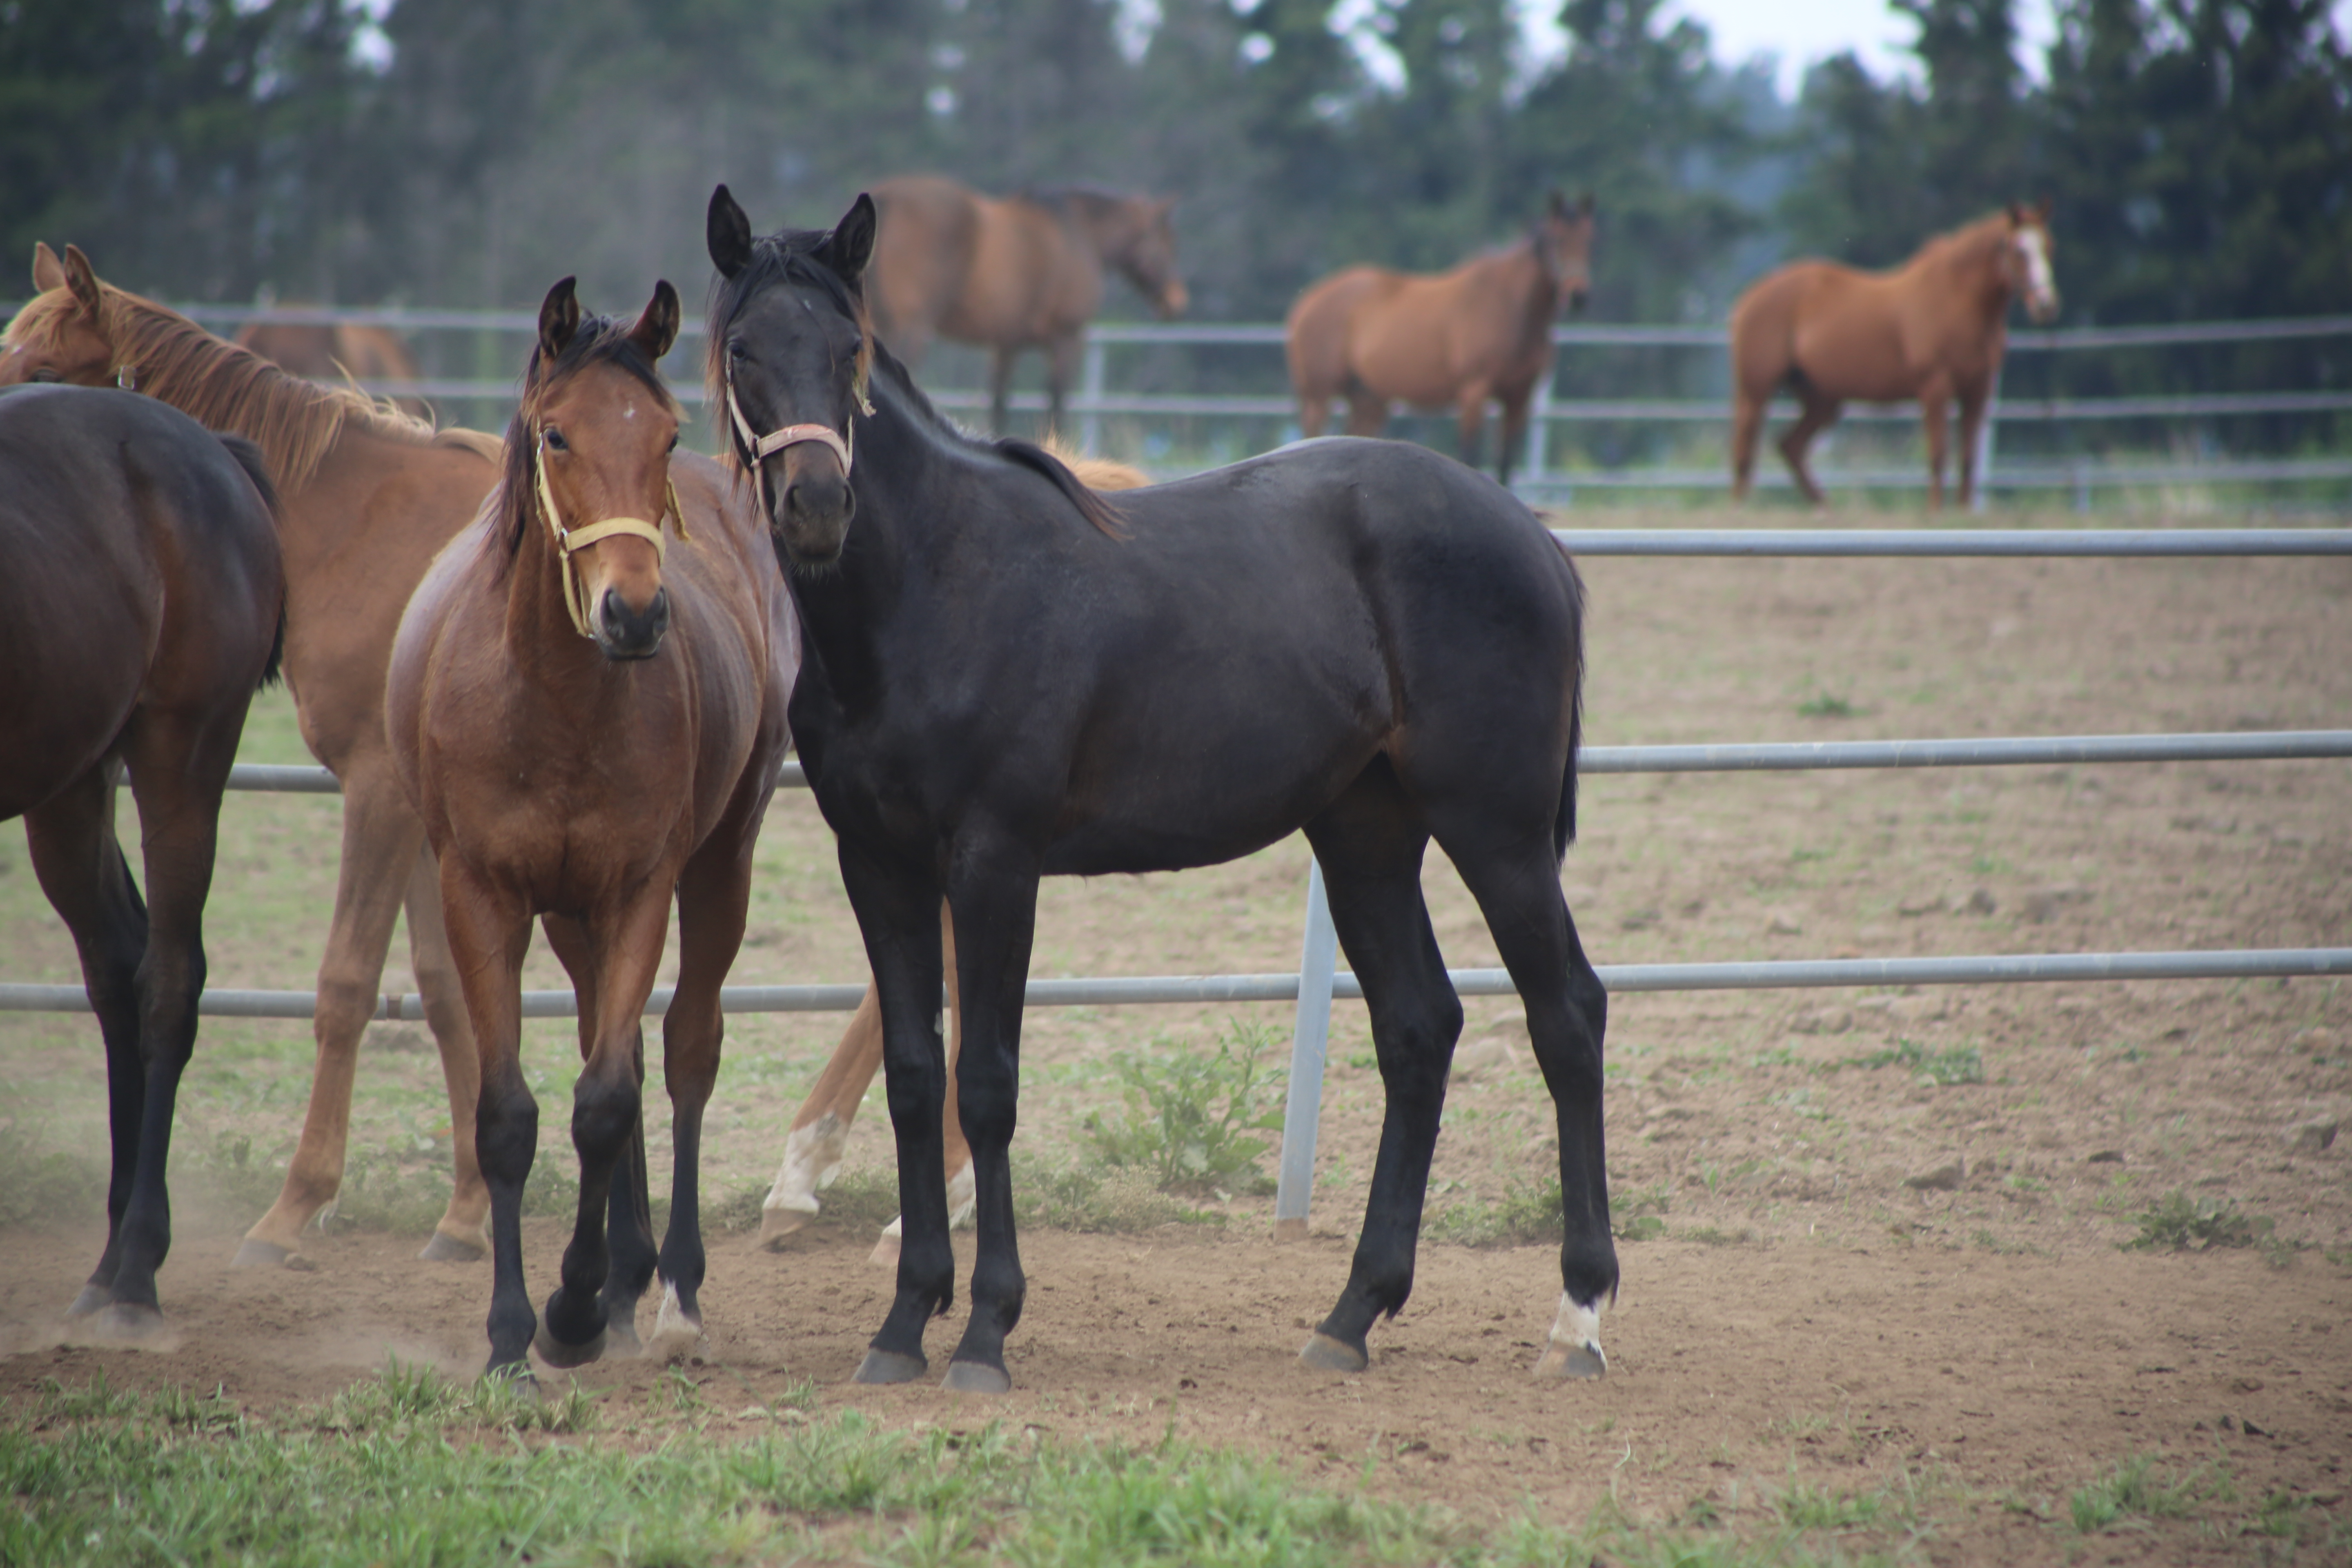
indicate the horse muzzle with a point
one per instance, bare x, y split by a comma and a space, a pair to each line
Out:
813, 508
1174, 299
625, 632
2043, 307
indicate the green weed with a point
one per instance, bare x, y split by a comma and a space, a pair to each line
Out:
1826, 705
1525, 1215
2136, 1490
1190, 1119
1809, 1506
2180, 1223
1961, 1064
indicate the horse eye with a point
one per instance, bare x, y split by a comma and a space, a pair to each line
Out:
555, 441
735, 349
673, 442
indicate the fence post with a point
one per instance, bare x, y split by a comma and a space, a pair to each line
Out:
1090, 391
1984, 444
1318, 956
1539, 424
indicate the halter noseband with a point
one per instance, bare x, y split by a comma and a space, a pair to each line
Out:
569, 540
757, 450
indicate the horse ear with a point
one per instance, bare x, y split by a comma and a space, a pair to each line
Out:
727, 233
558, 318
82, 278
1556, 204
656, 329
850, 245
48, 272
2017, 218
1584, 205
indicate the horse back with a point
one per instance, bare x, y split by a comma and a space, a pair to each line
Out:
922, 252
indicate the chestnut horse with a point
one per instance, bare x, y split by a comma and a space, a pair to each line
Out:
589, 725
1934, 328
142, 600
1481, 333
367, 496
337, 352
1009, 678
1021, 272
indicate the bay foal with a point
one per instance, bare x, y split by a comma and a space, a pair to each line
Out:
588, 720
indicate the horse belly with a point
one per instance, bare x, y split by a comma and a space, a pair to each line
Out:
1398, 350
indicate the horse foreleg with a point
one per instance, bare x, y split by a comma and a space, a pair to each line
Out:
898, 920
1934, 408
1368, 412
628, 1208
381, 839
1819, 414
1000, 388
1514, 432
1062, 360
995, 901
79, 861
1972, 418
605, 1105
490, 931
958, 1156
463, 1234
1470, 426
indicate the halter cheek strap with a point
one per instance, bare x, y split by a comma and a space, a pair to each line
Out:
757, 450
569, 541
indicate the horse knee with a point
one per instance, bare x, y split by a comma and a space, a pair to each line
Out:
605, 1110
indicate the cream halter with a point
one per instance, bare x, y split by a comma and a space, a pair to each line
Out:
569, 541
759, 449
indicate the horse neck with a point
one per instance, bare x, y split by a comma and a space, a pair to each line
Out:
1520, 278
1970, 265
539, 636
900, 483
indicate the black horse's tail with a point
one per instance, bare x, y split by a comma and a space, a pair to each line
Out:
1563, 831
257, 468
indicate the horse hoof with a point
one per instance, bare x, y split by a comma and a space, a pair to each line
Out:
1569, 1363
676, 1331
1327, 1354
977, 1377
621, 1341
93, 1298
132, 1323
516, 1380
889, 1366
255, 1253
447, 1248
885, 1251
558, 1354
777, 1223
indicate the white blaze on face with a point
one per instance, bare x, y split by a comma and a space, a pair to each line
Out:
2041, 288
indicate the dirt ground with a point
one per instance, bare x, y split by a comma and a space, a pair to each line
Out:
1797, 1312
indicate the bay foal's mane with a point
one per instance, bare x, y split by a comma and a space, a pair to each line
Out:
791, 258
598, 339
295, 422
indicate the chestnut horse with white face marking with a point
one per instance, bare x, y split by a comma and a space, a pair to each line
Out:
1021, 272
590, 721
1934, 328
1481, 333
142, 600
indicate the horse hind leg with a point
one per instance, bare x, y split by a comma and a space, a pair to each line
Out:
1370, 842
79, 864
1820, 412
819, 1134
1747, 427
462, 1234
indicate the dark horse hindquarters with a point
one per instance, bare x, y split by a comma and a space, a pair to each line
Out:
1360, 639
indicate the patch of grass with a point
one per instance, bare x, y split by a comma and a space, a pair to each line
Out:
1190, 1119
2179, 1223
47, 1187
1072, 1197
1527, 1215
1715, 1236
1960, 1064
2134, 1491
1826, 705
1809, 1506
404, 1398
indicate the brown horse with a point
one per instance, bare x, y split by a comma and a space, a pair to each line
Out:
337, 352
1022, 272
367, 496
1480, 332
141, 599
820, 1132
589, 725
1934, 328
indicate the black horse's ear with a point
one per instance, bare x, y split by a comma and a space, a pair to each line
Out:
82, 278
850, 245
656, 329
727, 233
558, 318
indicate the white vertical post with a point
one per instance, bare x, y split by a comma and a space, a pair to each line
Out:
1984, 444
1090, 391
1317, 955
1538, 426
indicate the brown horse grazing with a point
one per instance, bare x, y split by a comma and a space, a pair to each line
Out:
820, 1132
1022, 272
1934, 328
1480, 332
141, 599
333, 353
588, 725
367, 496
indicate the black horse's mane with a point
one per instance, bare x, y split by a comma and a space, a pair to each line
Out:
791, 257
597, 339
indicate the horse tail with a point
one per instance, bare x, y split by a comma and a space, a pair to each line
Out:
1563, 830
1091, 506
257, 468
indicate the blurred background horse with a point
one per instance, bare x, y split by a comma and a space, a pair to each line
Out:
337, 353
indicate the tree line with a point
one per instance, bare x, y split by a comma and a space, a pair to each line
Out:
446, 151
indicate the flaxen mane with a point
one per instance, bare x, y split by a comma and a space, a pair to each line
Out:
294, 422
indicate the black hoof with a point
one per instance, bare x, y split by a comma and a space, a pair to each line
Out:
132, 1323
255, 1253
889, 1366
621, 1341
556, 1353
443, 1248
1327, 1354
977, 1377
515, 1380
93, 1298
